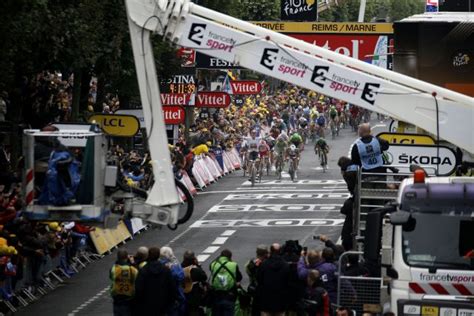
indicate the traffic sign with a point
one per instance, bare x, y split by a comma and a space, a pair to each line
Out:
212, 100
173, 115
117, 125
246, 87
425, 156
407, 138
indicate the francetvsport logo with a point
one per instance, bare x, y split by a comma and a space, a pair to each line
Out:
446, 278
287, 65
369, 93
214, 41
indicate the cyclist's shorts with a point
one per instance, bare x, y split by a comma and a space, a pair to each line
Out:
296, 143
253, 155
264, 153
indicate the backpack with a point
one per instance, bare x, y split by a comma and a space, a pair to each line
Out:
321, 120
223, 279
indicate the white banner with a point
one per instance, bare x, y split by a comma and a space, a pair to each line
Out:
424, 156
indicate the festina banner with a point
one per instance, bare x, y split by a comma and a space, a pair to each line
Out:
299, 10
208, 62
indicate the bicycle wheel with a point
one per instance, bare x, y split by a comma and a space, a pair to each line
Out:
186, 208
252, 174
291, 170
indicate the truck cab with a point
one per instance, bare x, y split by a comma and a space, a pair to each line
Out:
431, 255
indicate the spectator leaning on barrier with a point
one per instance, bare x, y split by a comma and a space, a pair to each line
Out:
123, 276
225, 279
155, 289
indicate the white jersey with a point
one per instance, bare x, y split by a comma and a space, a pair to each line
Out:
252, 144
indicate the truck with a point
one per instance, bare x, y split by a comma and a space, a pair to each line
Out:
440, 111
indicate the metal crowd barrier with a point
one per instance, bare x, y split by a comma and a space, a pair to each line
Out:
356, 292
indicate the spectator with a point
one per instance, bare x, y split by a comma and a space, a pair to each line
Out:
168, 259
272, 283
155, 289
338, 249
139, 260
252, 268
225, 279
123, 276
344, 311
316, 297
327, 270
367, 151
308, 262
195, 285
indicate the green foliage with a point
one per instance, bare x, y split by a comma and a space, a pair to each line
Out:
392, 10
259, 10
77, 35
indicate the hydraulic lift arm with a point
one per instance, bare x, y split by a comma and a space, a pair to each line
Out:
439, 111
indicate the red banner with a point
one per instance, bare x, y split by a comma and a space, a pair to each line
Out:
246, 87
173, 115
175, 99
370, 48
212, 100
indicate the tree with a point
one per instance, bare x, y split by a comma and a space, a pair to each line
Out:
392, 10
84, 37
259, 10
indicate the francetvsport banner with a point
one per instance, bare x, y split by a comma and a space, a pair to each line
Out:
296, 66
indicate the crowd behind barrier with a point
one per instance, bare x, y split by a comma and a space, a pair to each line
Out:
36, 256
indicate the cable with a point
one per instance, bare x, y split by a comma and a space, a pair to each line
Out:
437, 131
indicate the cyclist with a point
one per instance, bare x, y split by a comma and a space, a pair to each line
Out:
292, 152
281, 145
321, 147
263, 154
321, 123
297, 141
333, 119
251, 144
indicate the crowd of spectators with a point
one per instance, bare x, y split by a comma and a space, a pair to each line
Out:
280, 279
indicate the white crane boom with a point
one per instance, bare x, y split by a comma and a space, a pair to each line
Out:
435, 109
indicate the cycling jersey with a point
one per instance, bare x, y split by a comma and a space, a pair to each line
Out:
280, 147
252, 144
296, 139
333, 111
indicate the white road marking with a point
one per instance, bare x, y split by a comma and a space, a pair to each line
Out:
210, 249
222, 208
88, 302
280, 222
266, 188
220, 240
228, 233
281, 189
202, 258
305, 182
281, 196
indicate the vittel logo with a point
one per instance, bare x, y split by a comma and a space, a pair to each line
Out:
352, 51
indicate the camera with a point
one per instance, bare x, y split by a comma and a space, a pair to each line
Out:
316, 237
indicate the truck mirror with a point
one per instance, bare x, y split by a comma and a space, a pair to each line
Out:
400, 218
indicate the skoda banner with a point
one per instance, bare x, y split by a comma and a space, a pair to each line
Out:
425, 156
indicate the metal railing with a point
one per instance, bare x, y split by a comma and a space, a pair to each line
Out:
355, 292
